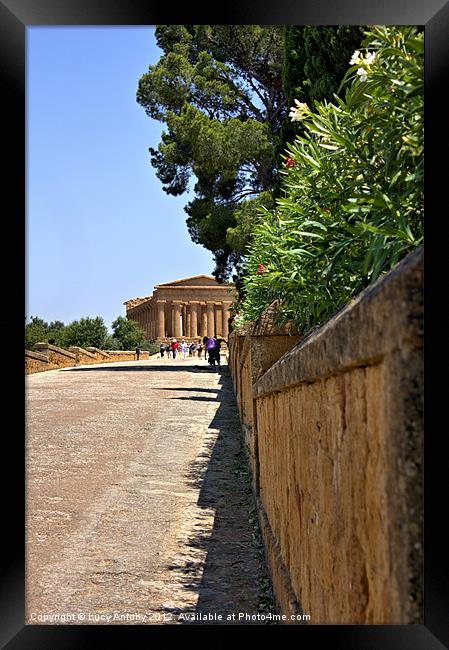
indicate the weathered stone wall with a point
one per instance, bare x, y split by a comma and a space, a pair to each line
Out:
337, 422
126, 355
36, 362
57, 357
251, 352
83, 357
101, 355
50, 357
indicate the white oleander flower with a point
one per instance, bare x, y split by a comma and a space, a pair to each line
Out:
362, 74
355, 59
298, 112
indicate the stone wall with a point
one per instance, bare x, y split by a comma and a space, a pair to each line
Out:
336, 453
126, 355
251, 352
36, 362
83, 357
51, 357
101, 355
57, 357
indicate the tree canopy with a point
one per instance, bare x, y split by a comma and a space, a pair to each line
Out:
127, 334
39, 331
218, 89
223, 92
85, 332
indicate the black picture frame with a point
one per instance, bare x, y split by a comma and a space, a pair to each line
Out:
15, 17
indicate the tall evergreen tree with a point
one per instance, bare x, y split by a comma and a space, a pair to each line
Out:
218, 89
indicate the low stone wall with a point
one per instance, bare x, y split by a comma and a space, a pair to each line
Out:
337, 459
251, 352
51, 357
57, 357
36, 362
126, 355
101, 355
83, 357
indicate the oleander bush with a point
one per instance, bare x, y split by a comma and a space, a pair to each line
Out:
352, 188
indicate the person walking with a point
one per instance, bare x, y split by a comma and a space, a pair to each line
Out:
162, 349
138, 351
217, 350
205, 340
199, 348
211, 350
184, 349
192, 348
174, 348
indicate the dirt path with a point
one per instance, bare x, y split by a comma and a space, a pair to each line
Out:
137, 506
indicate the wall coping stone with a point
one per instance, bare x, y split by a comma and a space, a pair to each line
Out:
393, 306
102, 353
111, 352
36, 355
53, 348
76, 349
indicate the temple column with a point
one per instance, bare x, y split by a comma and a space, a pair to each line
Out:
177, 319
203, 320
226, 316
189, 321
161, 319
184, 320
210, 319
167, 319
194, 320
219, 318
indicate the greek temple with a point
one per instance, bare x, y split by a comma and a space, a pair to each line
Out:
192, 308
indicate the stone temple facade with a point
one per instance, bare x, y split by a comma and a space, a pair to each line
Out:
190, 308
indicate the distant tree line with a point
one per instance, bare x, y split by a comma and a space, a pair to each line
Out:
86, 332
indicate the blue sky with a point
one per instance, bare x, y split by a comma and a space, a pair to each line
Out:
99, 228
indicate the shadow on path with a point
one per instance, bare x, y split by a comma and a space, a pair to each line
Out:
234, 579
136, 368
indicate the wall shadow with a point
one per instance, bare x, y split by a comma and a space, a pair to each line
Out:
193, 390
138, 368
233, 580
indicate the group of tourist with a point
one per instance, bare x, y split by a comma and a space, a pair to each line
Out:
210, 345
174, 348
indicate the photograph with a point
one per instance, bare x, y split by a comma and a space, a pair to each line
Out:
224, 329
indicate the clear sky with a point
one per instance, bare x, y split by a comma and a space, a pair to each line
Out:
99, 228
